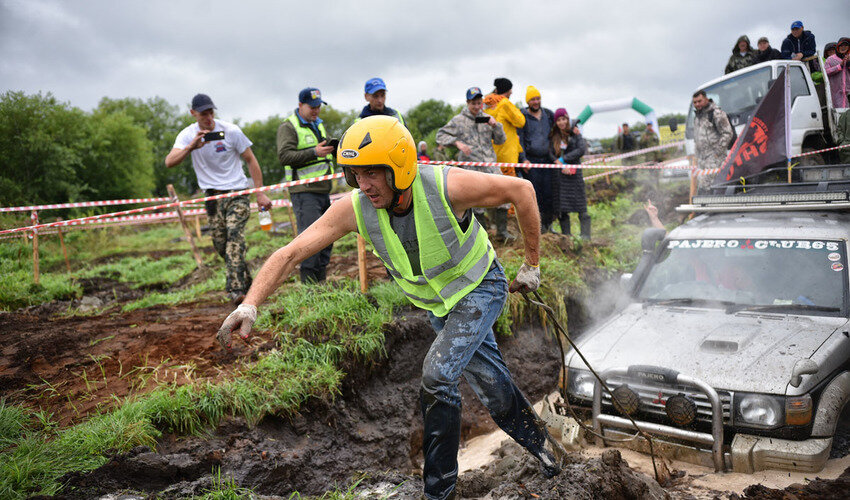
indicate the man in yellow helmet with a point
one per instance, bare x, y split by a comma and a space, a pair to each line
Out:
419, 221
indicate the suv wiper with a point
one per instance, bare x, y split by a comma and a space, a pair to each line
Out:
781, 307
686, 301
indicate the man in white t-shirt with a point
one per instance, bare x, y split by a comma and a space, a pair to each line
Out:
217, 149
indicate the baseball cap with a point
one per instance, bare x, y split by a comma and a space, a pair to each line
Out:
202, 102
375, 84
797, 24
763, 39
473, 92
311, 96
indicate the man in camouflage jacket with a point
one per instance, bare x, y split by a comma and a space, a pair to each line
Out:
712, 134
474, 141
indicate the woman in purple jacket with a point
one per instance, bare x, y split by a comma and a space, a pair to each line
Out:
838, 72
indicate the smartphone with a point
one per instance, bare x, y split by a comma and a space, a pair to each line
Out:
332, 142
214, 136
482, 119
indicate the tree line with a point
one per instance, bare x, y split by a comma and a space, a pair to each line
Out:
56, 153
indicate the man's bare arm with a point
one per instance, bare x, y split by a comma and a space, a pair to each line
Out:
338, 221
176, 155
468, 189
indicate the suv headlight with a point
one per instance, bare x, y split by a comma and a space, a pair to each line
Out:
580, 384
759, 410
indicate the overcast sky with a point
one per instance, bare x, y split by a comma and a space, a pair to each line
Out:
253, 57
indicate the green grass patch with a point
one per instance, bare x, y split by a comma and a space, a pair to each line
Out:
145, 271
174, 297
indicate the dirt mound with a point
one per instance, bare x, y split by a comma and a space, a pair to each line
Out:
374, 425
72, 366
818, 489
516, 475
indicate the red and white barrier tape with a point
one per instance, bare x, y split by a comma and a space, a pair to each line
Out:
709, 171
176, 203
556, 165
79, 204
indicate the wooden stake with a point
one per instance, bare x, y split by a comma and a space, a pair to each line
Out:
292, 222
34, 218
198, 226
361, 263
185, 226
64, 250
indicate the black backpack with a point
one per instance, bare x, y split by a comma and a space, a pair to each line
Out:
734, 133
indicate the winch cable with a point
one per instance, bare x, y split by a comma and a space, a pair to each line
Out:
551, 313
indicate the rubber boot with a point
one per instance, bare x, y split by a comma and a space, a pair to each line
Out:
440, 443
584, 220
564, 219
501, 219
521, 423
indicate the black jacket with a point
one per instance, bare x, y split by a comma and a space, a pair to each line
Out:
805, 44
568, 190
767, 55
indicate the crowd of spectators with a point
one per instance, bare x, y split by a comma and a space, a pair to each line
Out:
490, 128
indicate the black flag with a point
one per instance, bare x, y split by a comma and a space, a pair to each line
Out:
762, 142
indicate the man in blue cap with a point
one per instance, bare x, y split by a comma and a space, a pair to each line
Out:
376, 95
800, 44
303, 150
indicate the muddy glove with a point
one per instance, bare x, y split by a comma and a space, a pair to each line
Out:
242, 318
527, 279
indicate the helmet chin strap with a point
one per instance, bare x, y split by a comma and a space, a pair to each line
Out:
398, 198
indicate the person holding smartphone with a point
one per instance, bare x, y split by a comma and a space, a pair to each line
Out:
217, 149
306, 152
474, 133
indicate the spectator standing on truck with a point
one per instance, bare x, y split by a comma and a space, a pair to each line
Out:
534, 140
742, 56
838, 72
766, 52
800, 44
712, 133
217, 161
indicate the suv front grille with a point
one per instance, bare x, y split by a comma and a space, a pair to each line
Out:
652, 399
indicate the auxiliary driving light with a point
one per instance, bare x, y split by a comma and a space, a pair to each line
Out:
626, 400
681, 409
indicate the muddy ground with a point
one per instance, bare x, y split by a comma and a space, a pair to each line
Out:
373, 426
73, 365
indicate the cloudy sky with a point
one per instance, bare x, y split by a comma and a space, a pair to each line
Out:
253, 57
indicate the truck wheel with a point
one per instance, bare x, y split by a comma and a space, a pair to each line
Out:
841, 440
806, 161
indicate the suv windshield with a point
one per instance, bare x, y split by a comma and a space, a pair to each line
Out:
737, 96
805, 276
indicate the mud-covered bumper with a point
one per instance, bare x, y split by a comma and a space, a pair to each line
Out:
747, 453
755, 453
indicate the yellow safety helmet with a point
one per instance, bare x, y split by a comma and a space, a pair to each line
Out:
379, 141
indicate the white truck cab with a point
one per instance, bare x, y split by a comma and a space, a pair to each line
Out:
813, 115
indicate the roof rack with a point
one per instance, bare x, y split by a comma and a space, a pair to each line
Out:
816, 187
